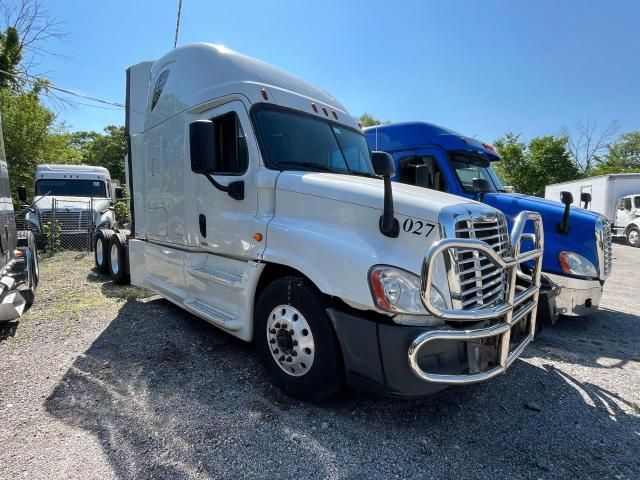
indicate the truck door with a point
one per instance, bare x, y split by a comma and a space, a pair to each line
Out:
624, 213
222, 224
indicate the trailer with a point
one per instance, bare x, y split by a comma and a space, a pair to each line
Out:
616, 196
257, 205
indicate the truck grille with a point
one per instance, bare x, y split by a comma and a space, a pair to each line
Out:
481, 282
607, 249
68, 221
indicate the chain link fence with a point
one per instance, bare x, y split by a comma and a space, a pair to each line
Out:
63, 224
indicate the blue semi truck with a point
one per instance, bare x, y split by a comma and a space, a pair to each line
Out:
577, 255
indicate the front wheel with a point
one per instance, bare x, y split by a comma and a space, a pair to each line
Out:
633, 237
296, 340
118, 259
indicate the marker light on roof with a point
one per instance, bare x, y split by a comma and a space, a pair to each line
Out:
264, 94
315, 107
335, 115
489, 147
326, 112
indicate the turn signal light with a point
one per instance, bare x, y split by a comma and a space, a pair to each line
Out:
257, 237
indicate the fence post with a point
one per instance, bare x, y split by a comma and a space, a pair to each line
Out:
52, 226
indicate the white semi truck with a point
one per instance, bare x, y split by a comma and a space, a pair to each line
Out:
257, 206
78, 198
616, 196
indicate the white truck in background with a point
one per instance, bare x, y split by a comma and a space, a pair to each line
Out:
257, 206
79, 197
616, 196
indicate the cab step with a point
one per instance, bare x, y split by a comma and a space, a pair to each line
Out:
218, 276
212, 314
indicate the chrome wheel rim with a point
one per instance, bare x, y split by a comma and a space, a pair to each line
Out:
290, 340
115, 266
634, 237
99, 252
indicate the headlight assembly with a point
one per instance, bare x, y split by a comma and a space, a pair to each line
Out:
575, 264
398, 291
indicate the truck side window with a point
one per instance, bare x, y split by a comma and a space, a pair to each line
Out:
231, 144
636, 202
627, 203
423, 172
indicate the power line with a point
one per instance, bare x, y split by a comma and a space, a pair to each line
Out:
48, 86
175, 41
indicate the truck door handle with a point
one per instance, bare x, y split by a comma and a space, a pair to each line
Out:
202, 221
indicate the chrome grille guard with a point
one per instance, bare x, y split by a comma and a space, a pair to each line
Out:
509, 312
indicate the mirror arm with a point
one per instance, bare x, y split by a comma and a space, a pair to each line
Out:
235, 189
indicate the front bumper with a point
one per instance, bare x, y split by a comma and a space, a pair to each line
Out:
576, 297
378, 354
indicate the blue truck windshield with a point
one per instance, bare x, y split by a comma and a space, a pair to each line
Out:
71, 188
468, 167
293, 141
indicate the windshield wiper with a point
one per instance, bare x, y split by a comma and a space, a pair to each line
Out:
311, 165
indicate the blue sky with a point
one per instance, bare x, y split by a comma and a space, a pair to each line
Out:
479, 67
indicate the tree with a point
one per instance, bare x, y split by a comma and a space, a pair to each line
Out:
587, 145
530, 167
106, 150
10, 57
367, 120
622, 156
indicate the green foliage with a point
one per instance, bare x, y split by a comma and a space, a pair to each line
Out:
530, 167
367, 120
10, 57
623, 156
105, 150
122, 213
27, 125
53, 235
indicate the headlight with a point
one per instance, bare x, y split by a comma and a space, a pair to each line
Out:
398, 291
575, 264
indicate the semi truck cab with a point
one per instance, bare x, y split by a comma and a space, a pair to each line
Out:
577, 258
77, 197
258, 206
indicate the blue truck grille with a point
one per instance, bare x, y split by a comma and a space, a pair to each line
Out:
481, 282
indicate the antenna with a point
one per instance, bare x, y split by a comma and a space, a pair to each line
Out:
175, 41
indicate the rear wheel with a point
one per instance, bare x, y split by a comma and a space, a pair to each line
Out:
296, 340
101, 250
118, 259
633, 236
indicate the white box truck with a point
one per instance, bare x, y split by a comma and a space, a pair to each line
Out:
257, 206
616, 196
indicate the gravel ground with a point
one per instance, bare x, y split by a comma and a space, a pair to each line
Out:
101, 381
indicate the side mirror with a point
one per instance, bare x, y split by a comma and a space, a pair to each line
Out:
585, 198
22, 194
383, 164
567, 199
118, 193
202, 146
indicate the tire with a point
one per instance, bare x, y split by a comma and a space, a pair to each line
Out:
101, 250
633, 237
118, 268
26, 239
297, 305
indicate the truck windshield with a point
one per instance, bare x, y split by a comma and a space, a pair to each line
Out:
468, 167
71, 188
293, 141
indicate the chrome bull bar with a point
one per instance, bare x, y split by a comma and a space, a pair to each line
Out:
513, 309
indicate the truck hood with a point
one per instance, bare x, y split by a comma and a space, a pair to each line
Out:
408, 200
582, 224
70, 203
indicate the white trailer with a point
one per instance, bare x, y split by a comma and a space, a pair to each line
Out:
616, 196
257, 206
